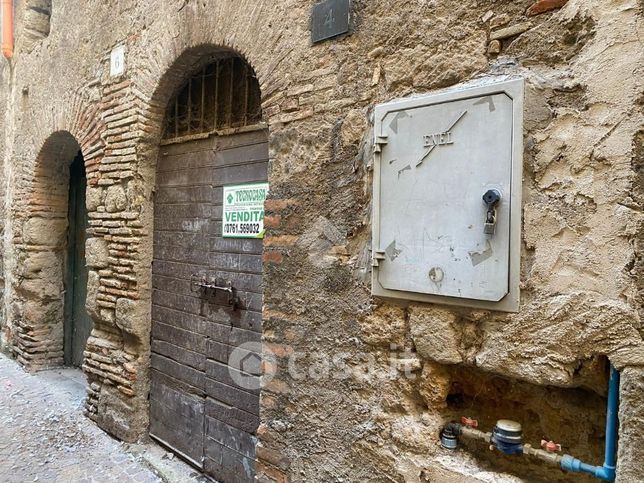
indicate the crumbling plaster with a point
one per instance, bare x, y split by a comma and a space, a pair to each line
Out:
582, 213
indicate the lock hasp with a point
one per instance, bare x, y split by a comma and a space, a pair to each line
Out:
447, 186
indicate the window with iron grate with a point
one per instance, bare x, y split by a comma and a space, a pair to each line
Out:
223, 95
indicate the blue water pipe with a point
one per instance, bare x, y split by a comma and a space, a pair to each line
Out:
513, 445
607, 471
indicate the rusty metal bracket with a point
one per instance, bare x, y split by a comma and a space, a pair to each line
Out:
211, 287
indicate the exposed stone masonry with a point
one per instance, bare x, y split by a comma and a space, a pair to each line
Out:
581, 302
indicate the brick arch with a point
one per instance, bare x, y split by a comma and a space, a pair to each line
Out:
182, 68
121, 408
40, 236
191, 60
99, 127
37, 222
170, 62
166, 74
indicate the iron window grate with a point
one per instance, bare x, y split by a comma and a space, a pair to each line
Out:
224, 94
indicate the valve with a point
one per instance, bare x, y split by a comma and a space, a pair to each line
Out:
550, 446
469, 422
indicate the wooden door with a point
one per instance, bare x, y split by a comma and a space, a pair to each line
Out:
78, 324
195, 407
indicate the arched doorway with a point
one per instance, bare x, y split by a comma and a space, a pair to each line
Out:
207, 277
78, 324
51, 322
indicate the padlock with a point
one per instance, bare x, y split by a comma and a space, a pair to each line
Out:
491, 198
490, 222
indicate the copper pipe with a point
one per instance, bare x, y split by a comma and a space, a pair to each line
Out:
7, 28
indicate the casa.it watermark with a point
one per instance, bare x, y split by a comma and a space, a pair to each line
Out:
253, 365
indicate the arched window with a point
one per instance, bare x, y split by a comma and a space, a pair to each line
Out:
224, 94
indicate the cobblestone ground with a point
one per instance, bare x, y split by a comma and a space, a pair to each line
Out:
45, 437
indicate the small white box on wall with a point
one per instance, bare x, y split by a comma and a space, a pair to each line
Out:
447, 196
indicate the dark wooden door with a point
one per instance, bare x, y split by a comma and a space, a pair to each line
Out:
78, 324
196, 408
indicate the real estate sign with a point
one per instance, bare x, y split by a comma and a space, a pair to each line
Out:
243, 210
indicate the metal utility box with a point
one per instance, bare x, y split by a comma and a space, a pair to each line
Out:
447, 196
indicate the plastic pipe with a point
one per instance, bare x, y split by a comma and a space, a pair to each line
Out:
567, 462
7, 28
608, 470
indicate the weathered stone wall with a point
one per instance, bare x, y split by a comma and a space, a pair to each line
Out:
582, 222
579, 278
5, 135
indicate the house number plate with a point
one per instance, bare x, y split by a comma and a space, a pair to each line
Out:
329, 19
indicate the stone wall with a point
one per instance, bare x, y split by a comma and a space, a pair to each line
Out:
580, 298
5, 134
582, 222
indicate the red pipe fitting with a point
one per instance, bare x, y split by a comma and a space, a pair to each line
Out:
469, 422
550, 446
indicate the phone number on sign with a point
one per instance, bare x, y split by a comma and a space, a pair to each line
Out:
242, 229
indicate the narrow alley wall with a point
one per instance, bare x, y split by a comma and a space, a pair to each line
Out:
406, 368
581, 302
4, 130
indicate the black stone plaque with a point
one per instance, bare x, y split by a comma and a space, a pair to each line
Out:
329, 19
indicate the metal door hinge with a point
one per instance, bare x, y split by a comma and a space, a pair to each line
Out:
377, 256
379, 143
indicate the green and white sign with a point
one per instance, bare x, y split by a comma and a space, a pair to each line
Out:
243, 213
